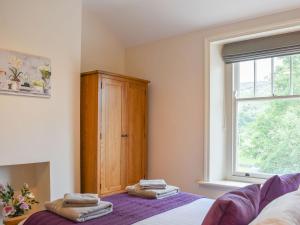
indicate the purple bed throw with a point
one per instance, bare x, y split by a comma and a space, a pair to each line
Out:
126, 210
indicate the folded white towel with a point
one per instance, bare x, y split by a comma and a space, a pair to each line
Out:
153, 184
79, 214
152, 193
84, 199
65, 204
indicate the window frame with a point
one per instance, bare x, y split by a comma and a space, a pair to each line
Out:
231, 87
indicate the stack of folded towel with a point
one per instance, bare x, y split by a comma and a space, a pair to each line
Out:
153, 184
80, 207
157, 189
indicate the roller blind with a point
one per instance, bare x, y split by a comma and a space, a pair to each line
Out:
277, 45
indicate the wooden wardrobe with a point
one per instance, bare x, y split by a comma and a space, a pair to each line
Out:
113, 131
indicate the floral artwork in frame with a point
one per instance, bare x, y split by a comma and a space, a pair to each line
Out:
24, 74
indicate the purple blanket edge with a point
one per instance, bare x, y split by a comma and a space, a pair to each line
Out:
126, 210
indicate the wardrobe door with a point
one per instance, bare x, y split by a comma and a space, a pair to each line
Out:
136, 157
112, 149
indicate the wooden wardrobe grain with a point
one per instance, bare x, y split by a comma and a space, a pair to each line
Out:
112, 149
113, 131
89, 135
136, 132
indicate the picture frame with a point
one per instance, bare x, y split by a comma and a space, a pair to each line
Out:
24, 74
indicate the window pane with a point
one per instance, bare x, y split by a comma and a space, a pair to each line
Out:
282, 75
268, 136
246, 85
263, 78
296, 74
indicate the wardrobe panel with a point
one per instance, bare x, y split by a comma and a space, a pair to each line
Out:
89, 134
112, 176
136, 132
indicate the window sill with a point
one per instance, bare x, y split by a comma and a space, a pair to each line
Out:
223, 184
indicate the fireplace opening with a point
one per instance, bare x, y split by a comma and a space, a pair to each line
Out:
36, 175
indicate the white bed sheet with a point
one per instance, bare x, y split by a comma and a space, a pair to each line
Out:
190, 214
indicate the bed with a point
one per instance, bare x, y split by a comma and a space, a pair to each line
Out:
183, 208
277, 201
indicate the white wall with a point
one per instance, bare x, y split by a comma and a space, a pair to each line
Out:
36, 129
217, 128
175, 68
100, 47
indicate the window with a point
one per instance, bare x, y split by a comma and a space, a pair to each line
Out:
266, 116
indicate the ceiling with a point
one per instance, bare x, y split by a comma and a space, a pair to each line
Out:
139, 21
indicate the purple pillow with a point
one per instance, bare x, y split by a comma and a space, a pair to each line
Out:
238, 207
277, 186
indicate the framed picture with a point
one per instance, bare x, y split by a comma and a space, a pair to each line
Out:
24, 74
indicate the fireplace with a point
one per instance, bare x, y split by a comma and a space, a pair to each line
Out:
36, 175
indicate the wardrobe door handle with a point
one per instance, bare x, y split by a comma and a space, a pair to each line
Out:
124, 135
